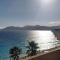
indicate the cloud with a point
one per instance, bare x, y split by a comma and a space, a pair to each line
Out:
54, 23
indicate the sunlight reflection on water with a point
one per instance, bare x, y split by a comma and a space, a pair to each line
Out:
45, 39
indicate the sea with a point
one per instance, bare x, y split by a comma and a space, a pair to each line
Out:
45, 40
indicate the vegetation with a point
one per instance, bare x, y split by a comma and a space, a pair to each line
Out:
32, 48
14, 53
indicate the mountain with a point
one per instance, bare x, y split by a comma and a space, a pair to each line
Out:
37, 27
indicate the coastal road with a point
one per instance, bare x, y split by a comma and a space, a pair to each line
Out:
51, 54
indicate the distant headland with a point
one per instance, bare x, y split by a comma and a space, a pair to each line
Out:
36, 27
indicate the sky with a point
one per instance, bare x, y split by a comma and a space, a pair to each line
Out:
29, 12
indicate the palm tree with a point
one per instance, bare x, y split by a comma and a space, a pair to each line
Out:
32, 48
14, 53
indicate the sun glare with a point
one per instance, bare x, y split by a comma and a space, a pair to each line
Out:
46, 3
44, 39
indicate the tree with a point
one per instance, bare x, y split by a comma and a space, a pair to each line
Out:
14, 53
32, 48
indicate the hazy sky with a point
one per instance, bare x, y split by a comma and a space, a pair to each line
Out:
29, 12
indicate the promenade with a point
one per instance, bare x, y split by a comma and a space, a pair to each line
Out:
51, 54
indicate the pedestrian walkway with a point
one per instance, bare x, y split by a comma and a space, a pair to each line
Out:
43, 53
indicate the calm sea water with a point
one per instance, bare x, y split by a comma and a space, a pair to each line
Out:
8, 39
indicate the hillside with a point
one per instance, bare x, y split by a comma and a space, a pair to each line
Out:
37, 27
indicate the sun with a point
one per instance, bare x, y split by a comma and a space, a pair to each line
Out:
46, 2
